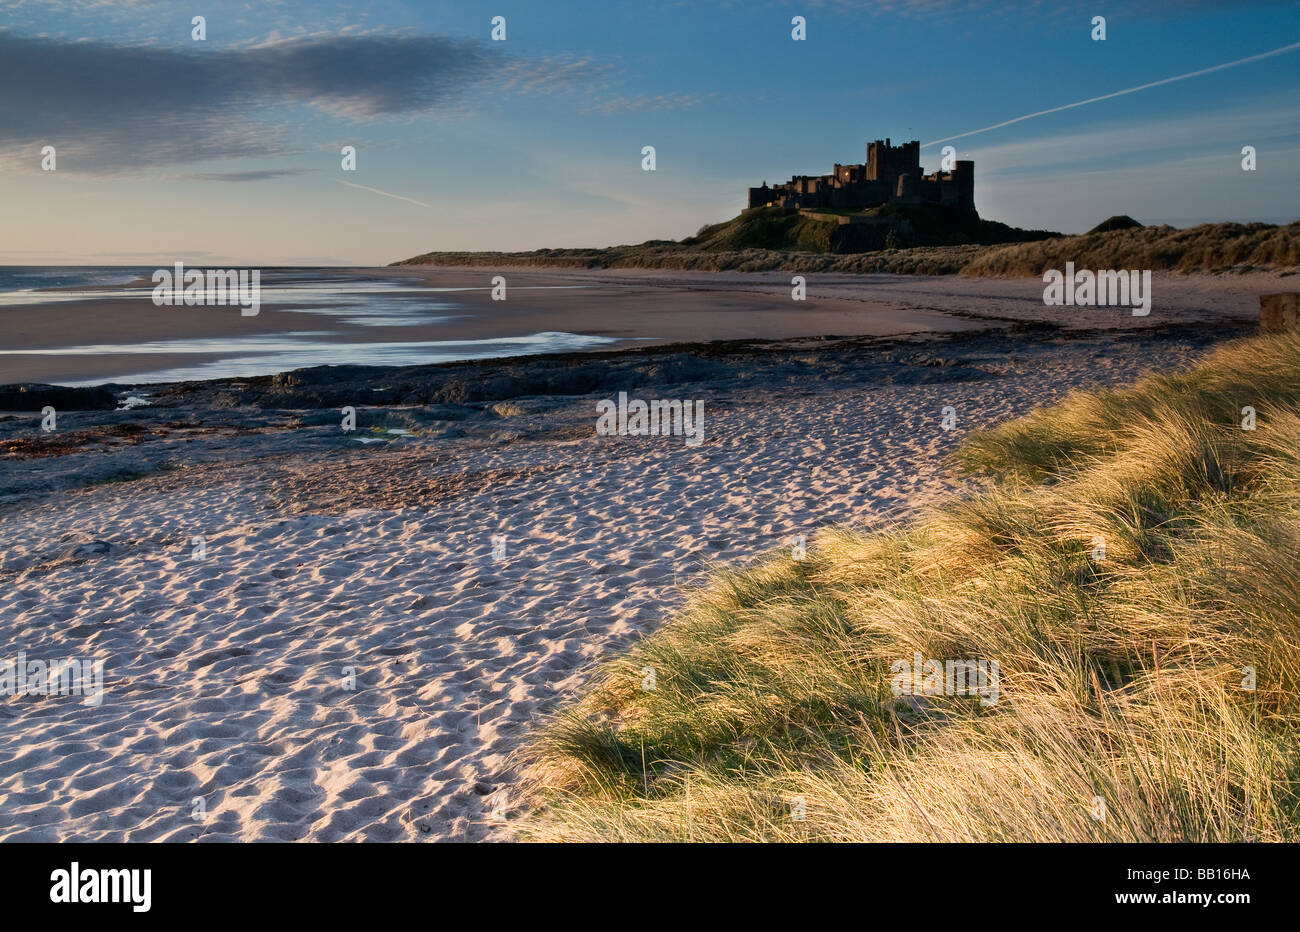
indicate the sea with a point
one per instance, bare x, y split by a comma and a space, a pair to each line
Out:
335, 296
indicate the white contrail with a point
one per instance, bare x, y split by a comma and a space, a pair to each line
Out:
385, 193
1132, 90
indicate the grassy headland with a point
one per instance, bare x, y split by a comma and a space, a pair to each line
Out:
1121, 672
923, 241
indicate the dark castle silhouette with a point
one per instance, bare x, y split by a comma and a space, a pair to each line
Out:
892, 174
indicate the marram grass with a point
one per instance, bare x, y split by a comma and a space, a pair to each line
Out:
1122, 712
754, 242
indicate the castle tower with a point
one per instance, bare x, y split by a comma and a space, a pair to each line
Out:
885, 162
963, 176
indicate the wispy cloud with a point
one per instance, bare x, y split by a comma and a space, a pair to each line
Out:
113, 107
1294, 46
263, 174
1223, 131
947, 9
396, 197
649, 103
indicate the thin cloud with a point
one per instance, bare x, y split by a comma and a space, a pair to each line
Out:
113, 107
263, 174
1131, 90
950, 9
1154, 140
396, 197
647, 103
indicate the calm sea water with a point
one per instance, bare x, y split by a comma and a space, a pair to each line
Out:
31, 277
335, 296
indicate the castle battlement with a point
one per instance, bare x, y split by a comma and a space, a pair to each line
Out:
890, 174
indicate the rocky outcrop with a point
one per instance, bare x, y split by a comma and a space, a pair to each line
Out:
33, 397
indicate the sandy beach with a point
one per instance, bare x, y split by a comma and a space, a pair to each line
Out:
366, 629
535, 427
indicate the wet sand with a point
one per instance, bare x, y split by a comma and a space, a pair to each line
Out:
626, 306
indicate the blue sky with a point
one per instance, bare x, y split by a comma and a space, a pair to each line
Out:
228, 149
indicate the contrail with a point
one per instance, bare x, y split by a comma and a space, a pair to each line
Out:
1132, 90
385, 193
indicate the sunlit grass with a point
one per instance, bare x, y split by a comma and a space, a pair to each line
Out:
1121, 679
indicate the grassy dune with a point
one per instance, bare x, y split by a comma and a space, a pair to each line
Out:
923, 239
921, 260
1210, 247
762, 241
1120, 678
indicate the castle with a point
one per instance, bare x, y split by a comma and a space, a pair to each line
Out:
892, 174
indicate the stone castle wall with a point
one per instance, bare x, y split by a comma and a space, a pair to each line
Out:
890, 174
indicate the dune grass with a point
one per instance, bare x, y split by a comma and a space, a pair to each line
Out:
1208, 247
768, 240
1120, 672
